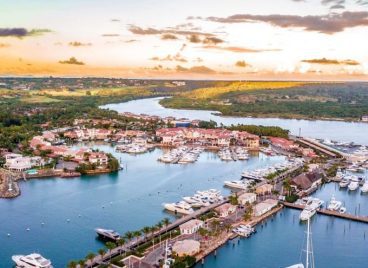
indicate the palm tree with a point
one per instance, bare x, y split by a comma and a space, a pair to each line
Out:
90, 256
129, 236
166, 222
137, 234
102, 252
110, 246
72, 264
120, 242
146, 230
81, 263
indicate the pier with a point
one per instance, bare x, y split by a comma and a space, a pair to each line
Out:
346, 216
317, 146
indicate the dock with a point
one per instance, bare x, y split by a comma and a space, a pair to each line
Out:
317, 146
346, 216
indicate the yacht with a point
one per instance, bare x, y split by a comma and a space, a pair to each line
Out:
307, 213
364, 188
33, 260
243, 185
334, 204
344, 182
353, 185
179, 207
108, 234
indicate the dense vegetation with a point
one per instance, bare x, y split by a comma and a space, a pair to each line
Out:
262, 130
279, 99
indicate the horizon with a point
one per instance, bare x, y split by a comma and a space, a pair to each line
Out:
210, 40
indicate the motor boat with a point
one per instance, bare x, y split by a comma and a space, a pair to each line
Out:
344, 182
353, 185
33, 260
364, 188
179, 207
108, 234
334, 204
243, 185
307, 213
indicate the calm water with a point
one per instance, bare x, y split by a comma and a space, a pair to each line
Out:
125, 201
333, 130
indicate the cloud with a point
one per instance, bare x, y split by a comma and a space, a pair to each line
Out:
242, 64
169, 37
183, 46
194, 38
239, 49
328, 24
176, 57
131, 41
362, 2
152, 31
115, 20
325, 61
79, 44
22, 32
110, 35
212, 40
73, 61
3, 45
195, 69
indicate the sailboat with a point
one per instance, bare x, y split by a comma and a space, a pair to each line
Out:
309, 262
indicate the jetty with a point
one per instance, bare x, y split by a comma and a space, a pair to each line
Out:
347, 216
317, 146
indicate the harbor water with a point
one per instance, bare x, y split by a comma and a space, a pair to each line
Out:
333, 130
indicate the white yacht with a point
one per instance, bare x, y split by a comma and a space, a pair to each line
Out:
109, 234
334, 204
179, 207
344, 182
353, 185
33, 260
307, 213
243, 185
364, 188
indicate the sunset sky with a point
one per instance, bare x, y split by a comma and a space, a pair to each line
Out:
235, 39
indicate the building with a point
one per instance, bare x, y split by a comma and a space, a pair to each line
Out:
264, 189
187, 247
98, 158
264, 207
191, 226
283, 144
365, 118
225, 210
307, 182
247, 198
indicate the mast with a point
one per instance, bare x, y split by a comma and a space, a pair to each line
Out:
307, 253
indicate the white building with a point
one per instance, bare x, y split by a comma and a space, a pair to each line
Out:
264, 207
191, 226
186, 247
247, 198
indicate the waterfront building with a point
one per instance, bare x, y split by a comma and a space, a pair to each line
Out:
225, 210
98, 158
365, 118
17, 162
264, 207
283, 144
247, 198
264, 189
191, 226
186, 247
307, 182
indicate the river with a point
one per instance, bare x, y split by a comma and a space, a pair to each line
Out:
334, 130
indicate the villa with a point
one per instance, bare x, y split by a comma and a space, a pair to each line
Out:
225, 210
247, 198
191, 226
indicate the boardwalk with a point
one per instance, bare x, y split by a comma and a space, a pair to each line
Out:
139, 241
346, 216
330, 152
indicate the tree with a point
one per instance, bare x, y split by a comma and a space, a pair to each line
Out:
81, 263
102, 252
234, 199
146, 230
137, 234
90, 256
72, 264
166, 222
129, 236
110, 246
120, 242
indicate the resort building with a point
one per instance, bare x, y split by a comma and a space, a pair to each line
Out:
191, 226
307, 182
187, 247
225, 210
283, 144
264, 189
17, 162
98, 158
365, 118
247, 198
264, 207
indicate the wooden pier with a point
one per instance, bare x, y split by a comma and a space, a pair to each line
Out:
337, 214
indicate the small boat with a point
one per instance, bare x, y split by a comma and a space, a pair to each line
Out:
344, 182
243, 185
307, 213
364, 188
33, 260
108, 234
334, 204
179, 207
353, 185
342, 210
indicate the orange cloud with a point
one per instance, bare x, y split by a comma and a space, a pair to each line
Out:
325, 61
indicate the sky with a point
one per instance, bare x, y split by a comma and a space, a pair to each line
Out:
206, 39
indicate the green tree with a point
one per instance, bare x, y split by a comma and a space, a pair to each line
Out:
90, 256
110, 246
72, 264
